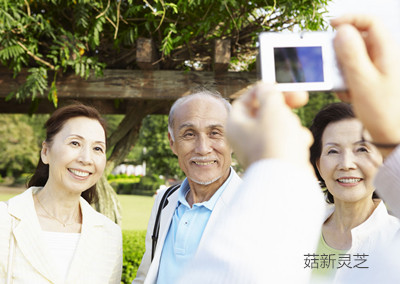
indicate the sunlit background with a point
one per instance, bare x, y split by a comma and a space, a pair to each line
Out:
387, 10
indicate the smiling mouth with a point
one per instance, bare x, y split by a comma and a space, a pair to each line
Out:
349, 180
79, 173
204, 163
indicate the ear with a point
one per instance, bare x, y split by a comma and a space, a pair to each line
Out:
171, 143
318, 167
44, 153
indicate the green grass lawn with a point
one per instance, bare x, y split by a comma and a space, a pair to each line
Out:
6, 196
135, 210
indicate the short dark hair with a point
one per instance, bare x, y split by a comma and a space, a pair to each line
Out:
330, 113
54, 125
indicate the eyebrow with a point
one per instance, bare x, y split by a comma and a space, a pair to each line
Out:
191, 125
83, 138
186, 125
355, 143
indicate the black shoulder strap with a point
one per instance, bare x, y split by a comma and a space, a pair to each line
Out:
156, 229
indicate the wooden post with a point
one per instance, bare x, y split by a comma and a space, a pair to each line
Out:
146, 54
222, 54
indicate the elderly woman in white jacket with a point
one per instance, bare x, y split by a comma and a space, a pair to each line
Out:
357, 221
50, 233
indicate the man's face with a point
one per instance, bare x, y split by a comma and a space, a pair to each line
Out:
199, 129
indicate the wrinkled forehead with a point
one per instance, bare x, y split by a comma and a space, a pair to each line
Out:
205, 110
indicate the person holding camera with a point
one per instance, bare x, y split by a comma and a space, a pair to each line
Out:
276, 215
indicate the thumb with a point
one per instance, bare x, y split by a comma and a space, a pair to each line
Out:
296, 99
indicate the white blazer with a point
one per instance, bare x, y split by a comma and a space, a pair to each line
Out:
148, 271
97, 259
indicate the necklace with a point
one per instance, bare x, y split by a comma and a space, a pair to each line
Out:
54, 217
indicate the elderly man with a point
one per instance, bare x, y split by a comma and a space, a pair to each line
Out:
197, 135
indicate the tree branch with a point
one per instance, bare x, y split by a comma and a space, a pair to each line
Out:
36, 57
151, 7
105, 11
117, 25
28, 9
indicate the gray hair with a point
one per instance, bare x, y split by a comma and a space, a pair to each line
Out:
203, 93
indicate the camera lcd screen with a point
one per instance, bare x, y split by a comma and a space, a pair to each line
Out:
298, 64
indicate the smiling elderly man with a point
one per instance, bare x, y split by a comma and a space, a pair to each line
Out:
197, 135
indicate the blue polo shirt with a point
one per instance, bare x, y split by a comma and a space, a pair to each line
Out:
184, 233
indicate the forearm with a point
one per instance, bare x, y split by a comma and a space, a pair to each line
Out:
387, 182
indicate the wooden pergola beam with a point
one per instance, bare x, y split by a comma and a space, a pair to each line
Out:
117, 87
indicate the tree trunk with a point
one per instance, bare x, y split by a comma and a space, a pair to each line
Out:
121, 142
108, 203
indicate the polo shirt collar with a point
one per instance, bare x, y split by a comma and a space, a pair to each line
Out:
210, 204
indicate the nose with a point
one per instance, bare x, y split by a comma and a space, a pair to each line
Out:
203, 145
85, 156
347, 161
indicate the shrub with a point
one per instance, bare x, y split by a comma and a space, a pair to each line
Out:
134, 247
147, 185
122, 176
22, 179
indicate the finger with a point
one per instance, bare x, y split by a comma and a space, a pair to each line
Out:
251, 103
361, 22
344, 96
354, 60
296, 99
268, 95
308, 137
248, 96
376, 37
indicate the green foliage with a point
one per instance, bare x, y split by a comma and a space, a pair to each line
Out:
18, 145
152, 147
113, 120
134, 247
22, 179
20, 140
146, 185
51, 37
316, 101
158, 155
35, 84
123, 178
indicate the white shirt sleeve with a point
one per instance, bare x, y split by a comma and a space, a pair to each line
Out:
272, 222
387, 182
146, 259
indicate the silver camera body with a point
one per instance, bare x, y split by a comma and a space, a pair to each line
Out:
303, 61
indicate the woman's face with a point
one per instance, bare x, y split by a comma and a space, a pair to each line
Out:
76, 156
347, 164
